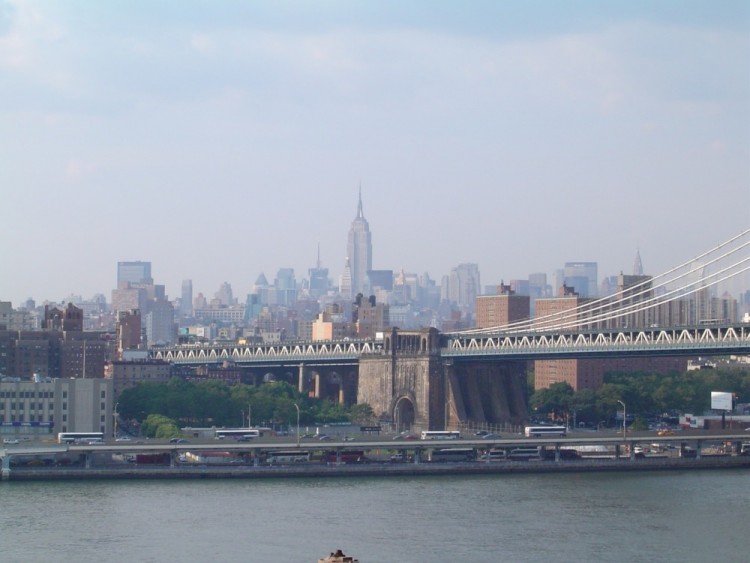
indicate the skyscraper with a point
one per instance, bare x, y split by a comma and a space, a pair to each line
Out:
134, 272
318, 279
359, 251
186, 299
583, 277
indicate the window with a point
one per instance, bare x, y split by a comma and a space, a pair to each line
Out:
65, 419
65, 406
103, 394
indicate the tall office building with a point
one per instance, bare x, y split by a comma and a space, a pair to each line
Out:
462, 287
318, 279
159, 323
359, 251
286, 287
582, 276
186, 299
134, 272
225, 296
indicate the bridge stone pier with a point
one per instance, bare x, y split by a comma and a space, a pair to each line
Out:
411, 385
336, 383
485, 392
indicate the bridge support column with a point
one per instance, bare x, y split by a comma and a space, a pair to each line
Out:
6, 467
557, 452
316, 379
87, 460
698, 446
301, 380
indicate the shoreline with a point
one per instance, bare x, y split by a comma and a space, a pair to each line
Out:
379, 470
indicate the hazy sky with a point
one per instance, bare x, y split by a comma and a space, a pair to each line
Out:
219, 140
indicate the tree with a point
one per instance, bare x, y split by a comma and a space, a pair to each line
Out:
159, 426
554, 401
361, 414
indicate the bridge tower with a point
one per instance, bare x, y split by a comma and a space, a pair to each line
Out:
405, 385
412, 386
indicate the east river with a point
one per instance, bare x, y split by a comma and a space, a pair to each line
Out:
699, 515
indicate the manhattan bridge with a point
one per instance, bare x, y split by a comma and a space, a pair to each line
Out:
437, 380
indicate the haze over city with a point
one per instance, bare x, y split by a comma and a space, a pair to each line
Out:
220, 141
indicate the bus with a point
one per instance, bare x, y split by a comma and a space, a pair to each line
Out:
452, 454
440, 435
344, 456
239, 434
542, 431
80, 437
284, 457
525, 454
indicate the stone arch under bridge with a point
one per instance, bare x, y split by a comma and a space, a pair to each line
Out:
335, 383
403, 414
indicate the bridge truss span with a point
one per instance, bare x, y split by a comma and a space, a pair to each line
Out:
265, 353
654, 341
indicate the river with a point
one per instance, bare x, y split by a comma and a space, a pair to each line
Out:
640, 516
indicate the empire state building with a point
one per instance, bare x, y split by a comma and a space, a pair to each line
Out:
359, 249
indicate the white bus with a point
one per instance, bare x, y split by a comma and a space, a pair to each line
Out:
452, 454
542, 431
80, 437
240, 434
440, 435
283, 457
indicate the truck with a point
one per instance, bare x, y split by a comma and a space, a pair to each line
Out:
152, 459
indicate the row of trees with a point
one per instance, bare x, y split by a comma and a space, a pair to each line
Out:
644, 394
213, 403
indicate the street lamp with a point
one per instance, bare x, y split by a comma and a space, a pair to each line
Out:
447, 412
296, 406
114, 414
624, 418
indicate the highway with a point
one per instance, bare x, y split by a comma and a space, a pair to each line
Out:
314, 445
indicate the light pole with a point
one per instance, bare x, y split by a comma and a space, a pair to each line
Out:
624, 419
296, 406
249, 415
114, 414
447, 413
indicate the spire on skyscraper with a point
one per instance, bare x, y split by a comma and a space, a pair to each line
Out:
360, 214
638, 265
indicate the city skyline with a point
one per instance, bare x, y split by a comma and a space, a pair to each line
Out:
224, 141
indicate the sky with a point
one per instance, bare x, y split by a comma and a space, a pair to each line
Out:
222, 140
